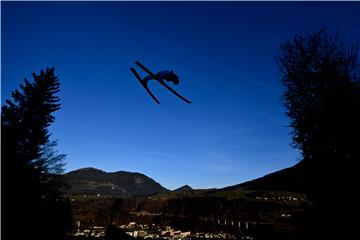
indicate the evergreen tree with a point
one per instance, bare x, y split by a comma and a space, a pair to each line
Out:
31, 167
322, 99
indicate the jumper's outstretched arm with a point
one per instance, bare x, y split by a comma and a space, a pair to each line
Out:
161, 81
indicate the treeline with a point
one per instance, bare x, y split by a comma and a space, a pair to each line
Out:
100, 211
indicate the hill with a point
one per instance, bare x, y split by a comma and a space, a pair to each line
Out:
289, 179
92, 181
185, 188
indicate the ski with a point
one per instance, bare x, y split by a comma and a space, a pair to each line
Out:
144, 85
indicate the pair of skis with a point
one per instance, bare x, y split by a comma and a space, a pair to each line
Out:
144, 83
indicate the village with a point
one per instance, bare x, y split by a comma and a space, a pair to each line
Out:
144, 231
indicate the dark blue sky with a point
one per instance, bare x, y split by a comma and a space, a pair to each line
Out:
224, 53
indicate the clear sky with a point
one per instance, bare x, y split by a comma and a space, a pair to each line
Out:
224, 53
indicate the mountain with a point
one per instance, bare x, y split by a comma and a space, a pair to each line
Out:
92, 181
289, 179
185, 188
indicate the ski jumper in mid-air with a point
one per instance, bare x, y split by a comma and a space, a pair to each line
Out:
166, 75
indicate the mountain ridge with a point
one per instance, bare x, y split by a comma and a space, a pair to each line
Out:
93, 181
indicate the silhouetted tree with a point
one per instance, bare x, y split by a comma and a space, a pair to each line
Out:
322, 99
34, 204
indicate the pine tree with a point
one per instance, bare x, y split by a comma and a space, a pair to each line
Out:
31, 166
